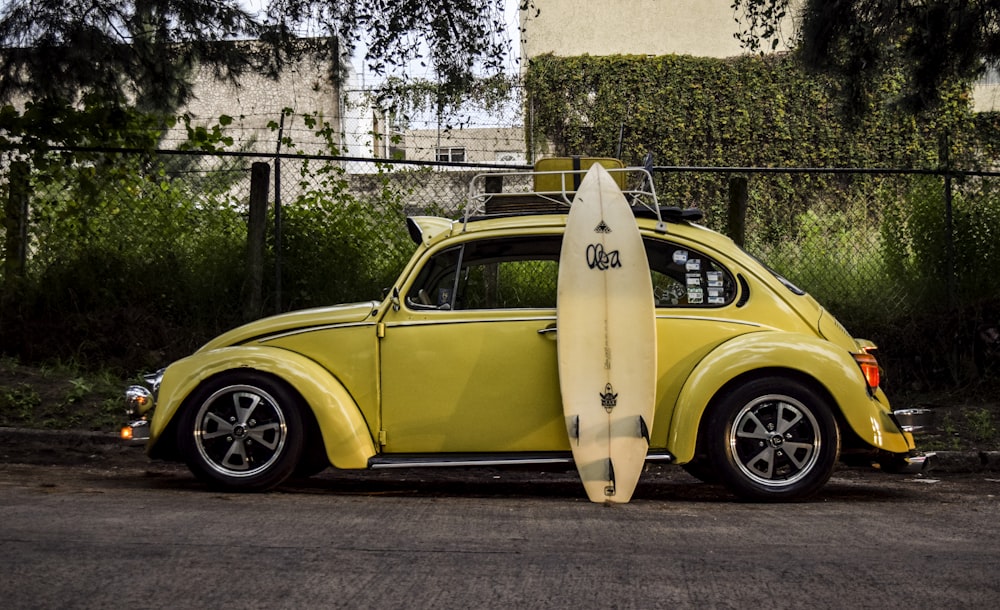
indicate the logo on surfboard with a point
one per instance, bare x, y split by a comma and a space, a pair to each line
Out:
598, 258
609, 398
602, 227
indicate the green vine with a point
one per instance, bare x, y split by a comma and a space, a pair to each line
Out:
753, 110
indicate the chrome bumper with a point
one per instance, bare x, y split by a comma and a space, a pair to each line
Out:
915, 462
918, 462
914, 421
139, 401
135, 432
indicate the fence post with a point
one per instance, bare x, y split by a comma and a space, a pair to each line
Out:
260, 174
16, 227
738, 196
945, 151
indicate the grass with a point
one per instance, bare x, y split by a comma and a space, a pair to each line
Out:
60, 396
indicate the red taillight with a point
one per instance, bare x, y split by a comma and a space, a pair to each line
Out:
869, 368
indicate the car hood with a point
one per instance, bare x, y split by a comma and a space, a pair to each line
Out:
294, 321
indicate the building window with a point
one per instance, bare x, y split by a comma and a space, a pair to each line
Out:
452, 154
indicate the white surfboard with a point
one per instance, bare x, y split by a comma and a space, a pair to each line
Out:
606, 339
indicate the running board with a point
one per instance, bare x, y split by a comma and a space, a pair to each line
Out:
472, 460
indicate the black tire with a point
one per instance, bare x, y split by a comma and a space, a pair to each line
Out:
701, 469
773, 439
242, 432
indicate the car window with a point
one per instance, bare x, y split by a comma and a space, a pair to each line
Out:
523, 272
510, 273
683, 277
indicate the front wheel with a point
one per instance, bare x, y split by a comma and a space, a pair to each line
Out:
242, 432
773, 439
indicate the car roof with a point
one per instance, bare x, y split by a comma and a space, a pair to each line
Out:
431, 229
542, 198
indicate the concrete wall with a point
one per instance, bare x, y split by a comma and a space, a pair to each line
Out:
307, 86
702, 28
986, 93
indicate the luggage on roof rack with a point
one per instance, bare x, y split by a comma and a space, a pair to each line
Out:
550, 188
564, 174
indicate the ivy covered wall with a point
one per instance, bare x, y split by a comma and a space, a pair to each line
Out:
745, 111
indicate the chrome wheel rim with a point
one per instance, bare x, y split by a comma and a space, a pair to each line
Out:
775, 440
240, 431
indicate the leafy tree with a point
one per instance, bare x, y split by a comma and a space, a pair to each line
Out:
454, 35
140, 52
118, 50
934, 43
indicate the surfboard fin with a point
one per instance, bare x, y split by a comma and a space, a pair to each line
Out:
574, 427
643, 429
610, 489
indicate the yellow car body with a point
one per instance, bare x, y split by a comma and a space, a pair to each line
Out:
402, 382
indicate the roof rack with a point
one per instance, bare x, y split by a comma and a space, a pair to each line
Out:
552, 191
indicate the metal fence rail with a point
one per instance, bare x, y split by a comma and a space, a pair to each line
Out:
107, 249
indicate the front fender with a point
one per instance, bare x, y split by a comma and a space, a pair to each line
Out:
822, 361
345, 434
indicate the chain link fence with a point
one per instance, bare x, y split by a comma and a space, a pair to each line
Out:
133, 258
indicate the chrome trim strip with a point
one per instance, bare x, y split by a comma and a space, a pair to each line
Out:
708, 319
432, 462
402, 323
308, 329
552, 318
442, 461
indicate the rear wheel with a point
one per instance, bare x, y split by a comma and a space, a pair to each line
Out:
701, 469
242, 432
773, 439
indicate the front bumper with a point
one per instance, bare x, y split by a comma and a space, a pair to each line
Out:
139, 402
136, 432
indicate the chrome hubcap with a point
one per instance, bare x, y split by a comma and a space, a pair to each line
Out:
240, 431
775, 440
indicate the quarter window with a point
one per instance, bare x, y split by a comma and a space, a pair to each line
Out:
683, 277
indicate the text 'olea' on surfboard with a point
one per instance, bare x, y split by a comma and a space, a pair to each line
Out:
607, 339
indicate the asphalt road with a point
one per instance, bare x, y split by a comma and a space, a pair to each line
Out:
114, 530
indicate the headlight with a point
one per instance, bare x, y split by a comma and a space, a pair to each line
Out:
138, 400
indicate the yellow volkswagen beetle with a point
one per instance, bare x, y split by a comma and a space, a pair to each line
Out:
759, 387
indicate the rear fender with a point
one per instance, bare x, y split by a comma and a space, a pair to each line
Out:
827, 365
346, 435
